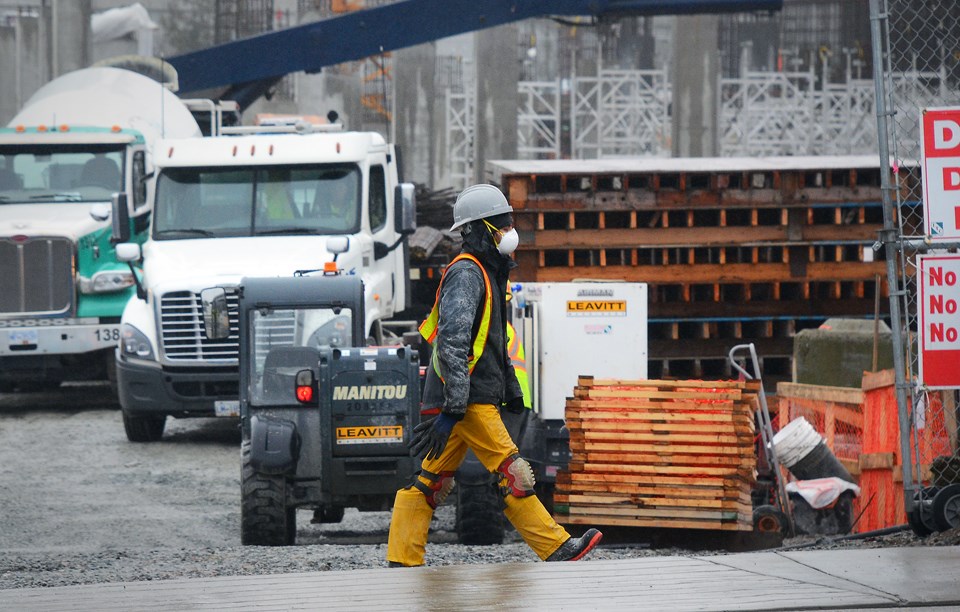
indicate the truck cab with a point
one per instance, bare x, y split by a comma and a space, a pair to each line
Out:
257, 202
78, 141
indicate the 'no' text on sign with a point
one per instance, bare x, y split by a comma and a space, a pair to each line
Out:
940, 147
939, 289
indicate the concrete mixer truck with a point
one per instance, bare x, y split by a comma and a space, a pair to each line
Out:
80, 140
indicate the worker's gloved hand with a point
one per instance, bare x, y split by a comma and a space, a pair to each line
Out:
515, 405
431, 435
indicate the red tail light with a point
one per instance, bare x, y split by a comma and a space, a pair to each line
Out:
305, 393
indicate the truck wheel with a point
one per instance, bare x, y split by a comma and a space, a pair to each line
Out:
143, 429
112, 376
479, 517
264, 518
328, 514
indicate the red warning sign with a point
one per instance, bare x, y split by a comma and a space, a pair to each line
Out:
939, 298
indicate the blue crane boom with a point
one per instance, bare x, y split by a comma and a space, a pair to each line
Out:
354, 36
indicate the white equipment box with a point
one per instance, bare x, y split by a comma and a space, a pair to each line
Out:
577, 329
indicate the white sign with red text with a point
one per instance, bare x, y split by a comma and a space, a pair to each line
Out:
940, 150
939, 289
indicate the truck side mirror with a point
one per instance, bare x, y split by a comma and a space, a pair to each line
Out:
128, 251
120, 218
216, 318
405, 208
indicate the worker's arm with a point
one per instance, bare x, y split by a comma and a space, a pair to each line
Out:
460, 298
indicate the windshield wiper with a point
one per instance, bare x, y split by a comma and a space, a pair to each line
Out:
68, 197
287, 230
184, 230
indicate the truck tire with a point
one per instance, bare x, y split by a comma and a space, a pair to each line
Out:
264, 518
143, 429
479, 517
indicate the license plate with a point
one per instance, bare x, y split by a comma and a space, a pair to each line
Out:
226, 408
22, 337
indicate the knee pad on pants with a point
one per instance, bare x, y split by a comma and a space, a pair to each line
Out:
516, 477
438, 488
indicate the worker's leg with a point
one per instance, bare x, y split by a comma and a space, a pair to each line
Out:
483, 431
414, 505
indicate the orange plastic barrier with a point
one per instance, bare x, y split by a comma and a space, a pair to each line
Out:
881, 484
862, 429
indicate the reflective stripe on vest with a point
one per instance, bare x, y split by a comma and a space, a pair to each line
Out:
428, 329
517, 358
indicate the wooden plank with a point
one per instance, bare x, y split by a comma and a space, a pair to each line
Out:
679, 408
661, 523
566, 476
613, 424
876, 461
701, 515
713, 273
579, 444
664, 438
949, 403
676, 491
590, 381
663, 416
647, 394
584, 499
667, 459
699, 473
841, 395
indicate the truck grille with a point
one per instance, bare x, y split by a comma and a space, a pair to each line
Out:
36, 276
279, 329
181, 330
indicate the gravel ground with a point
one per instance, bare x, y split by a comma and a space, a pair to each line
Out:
81, 505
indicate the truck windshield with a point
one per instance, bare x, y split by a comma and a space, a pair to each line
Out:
63, 173
285, 341
214, 202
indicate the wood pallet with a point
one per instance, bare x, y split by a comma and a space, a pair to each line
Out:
657, 453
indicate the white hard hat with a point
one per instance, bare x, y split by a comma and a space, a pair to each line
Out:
479, 202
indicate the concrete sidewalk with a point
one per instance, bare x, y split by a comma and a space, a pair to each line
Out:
790, 580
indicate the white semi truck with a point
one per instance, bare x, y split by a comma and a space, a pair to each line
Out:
256, 202
79, 140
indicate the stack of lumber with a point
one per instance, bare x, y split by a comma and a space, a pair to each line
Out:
658, 453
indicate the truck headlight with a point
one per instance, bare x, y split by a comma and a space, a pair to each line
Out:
107, 281
134, 343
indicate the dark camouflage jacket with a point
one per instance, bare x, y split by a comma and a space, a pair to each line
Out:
461, 309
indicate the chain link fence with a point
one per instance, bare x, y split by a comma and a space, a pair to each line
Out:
918, 44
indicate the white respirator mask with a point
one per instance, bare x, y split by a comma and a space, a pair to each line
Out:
508, 242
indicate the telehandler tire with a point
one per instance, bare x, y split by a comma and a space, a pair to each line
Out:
264, 518
479, 516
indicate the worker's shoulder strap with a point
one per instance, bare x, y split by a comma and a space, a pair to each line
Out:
428, 329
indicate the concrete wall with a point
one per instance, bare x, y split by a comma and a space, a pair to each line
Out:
696, 79
498, 71
38, 45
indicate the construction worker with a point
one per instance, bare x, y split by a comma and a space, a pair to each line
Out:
518, 358
276, 204
470, 378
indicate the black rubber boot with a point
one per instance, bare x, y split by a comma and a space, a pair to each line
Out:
575, 549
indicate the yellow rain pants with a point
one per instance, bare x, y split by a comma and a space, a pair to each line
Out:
482, 431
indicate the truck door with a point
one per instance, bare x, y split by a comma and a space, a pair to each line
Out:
383, 281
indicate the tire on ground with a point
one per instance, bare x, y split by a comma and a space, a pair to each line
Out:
264, 518
479, 516
143, 428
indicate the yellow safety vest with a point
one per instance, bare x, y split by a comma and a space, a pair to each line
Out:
428, 329
515, 349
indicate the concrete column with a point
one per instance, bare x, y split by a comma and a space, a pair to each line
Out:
696, 81
70, 35
418, 113
498, 71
